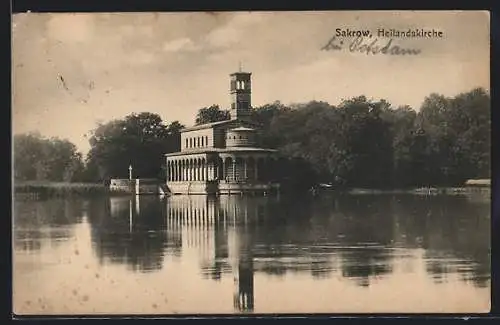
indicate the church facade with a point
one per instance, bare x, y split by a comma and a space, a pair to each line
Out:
223, 157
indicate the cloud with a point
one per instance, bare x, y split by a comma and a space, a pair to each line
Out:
232, 32
180, 45
141, 57
74, 28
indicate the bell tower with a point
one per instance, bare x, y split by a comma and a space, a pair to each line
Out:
241, 90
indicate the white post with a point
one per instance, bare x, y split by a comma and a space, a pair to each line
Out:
130, 172
130, 217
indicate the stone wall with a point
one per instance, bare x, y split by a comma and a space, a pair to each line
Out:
143, 186
195, 187
121, 185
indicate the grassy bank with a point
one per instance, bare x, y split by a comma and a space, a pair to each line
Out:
423, 191
53, 189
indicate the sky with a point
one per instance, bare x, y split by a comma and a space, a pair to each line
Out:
73, 70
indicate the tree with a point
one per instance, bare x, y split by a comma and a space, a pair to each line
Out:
402, 128
458, 131
38, 158
264, 116
211, 114
139, 140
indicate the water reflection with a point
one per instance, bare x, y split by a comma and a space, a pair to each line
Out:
361, 240
129, 231
45, 222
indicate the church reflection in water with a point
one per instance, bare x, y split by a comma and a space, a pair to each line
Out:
236, 236
223, 234
140, 231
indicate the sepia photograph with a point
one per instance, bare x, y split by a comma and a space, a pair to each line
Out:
251, 162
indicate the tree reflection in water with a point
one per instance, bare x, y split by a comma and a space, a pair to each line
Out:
129, 230
454, 232
44, 221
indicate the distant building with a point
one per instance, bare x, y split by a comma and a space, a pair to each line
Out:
478, 186
222, 157
478, 183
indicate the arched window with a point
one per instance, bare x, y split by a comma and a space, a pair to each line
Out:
190, 142
206, 141
202, 141
186, 143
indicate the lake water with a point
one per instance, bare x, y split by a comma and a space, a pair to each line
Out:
232, 254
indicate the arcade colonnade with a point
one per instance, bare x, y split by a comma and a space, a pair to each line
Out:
229, 168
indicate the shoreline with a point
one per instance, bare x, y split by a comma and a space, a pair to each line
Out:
33, 189
423, 191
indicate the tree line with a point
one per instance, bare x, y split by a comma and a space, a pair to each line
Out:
358, 143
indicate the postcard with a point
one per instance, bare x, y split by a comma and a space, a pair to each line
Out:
199, 163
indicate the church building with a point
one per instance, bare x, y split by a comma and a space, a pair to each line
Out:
223, 157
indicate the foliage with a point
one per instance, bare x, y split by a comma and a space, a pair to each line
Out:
38, 158
365, 143
211, 114
138, 140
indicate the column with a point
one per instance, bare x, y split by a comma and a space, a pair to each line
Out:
234, 169
223, 176
245, 169
185, 170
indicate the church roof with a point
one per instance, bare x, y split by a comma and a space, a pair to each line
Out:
219, 150
210, 125
206, 125
240, 72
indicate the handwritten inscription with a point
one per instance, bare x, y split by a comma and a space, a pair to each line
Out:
368, 45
